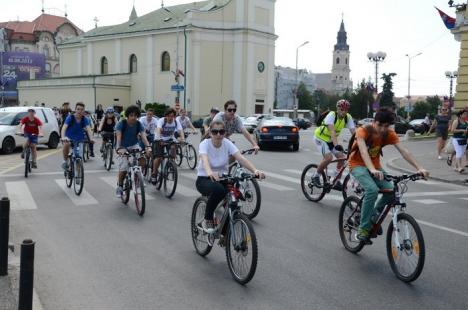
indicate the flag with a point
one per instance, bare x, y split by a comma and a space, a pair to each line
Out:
448, 21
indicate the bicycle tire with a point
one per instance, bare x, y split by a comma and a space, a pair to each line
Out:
85, 152
348, 224
192, 158
252, 212
160, 180
306, 185
201, 245
108, 157
349, 189
417, 246
140, 201
78, 188
27, 163
179, 155
126, 190
170, 175
242, 249
69, 173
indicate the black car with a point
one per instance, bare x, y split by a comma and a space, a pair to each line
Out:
401, 125
277, 131
302, 123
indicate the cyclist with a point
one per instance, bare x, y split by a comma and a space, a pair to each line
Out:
364, 163
185, 122
31, 128
64, 112
215, 153
233, 123
207, 122
127, 132
76, 128
326, 138
90, 117
107, 127
165, 131
149, 122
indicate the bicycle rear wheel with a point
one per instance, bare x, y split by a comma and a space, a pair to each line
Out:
192, 158
27, 163
170, 179
108, 157
139, 193
241, 249
351, 187
253, 198
407, 254
79, 176
179, 155
313, 192
126, 190
348, 224
199, 238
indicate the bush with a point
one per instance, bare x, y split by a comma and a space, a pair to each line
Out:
159, 108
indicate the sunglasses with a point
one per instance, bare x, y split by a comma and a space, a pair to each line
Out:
231, 110
218, 132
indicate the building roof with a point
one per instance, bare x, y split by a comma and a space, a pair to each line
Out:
341, 38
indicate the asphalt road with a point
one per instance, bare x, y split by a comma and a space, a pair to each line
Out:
95, 253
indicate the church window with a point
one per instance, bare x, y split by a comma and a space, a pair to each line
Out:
104, 65
337, 60
165, 62
133, 63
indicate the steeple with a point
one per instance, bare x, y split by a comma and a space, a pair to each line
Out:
341, 39
133, 15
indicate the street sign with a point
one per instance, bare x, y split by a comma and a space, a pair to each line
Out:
409, 108
177, 87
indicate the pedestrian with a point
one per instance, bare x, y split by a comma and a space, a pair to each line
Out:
426, 124
441, 124
460, 135
99, 113
64, 112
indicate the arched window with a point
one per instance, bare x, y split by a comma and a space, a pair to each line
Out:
46, 51
337, 60
57, 69
104, 69
165, 62
47, 67
133, 63
346, 61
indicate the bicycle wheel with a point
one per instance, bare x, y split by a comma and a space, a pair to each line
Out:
108, 157
170, 179
139, 193
179, 155
27, 163
160, 181
69, 174
79, 176
126, 190
351, 187
241, 249
253, 198
199, 238
192, 158
407, 254
85, 152
348, 224
312, 192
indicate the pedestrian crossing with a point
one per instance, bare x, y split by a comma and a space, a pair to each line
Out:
286, 180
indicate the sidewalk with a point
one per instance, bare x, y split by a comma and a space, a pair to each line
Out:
9, 286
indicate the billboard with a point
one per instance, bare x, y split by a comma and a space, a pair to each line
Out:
19, 66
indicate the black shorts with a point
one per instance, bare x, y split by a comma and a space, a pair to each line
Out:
442, 134
159, 148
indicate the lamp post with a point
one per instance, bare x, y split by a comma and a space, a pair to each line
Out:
451, 75
376, 58
409, 83
297, 85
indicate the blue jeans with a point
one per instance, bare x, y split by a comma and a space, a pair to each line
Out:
371, 188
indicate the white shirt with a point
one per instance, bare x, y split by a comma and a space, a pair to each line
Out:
168, 130
150, 128
217, 157
184, 122
330, 120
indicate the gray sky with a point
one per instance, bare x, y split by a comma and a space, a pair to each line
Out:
397, 27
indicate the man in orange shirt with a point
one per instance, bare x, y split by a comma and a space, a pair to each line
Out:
364, 163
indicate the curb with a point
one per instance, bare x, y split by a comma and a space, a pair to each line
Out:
393, 166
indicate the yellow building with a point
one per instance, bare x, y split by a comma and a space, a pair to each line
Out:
461, 34
225, 49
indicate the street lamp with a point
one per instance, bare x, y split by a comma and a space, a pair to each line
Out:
451, 75
297, 85
409, 81
376, 58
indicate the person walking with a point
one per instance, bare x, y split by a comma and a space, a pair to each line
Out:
99, 112
426, 124
460, 134
441, 124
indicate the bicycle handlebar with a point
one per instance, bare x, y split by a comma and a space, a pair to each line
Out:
244, 176
248, 152
398, 179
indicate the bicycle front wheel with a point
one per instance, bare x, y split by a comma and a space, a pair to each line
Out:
179, 155
406, 251
348, 224
27, 163
139, 193
312, 191
253, 198
126, 190
108, 158
79, 176
241, 249
192, 158
199, 237
69, 175
170, 179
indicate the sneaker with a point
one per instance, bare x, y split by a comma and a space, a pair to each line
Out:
316, 180
34, 165
91, 154
338, 186
22, 155
363, 236
208, 226
439, 157
119, 192
154, 179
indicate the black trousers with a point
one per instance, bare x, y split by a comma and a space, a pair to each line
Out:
215, 192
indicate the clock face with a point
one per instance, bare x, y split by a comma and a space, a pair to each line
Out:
261, 66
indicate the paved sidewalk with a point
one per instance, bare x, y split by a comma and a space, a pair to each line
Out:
8, 287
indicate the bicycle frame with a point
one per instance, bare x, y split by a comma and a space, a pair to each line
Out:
133, 167
329, 185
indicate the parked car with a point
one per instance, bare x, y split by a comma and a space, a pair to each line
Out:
277, 131
250, 123
365, 121
302, 123
418, 125
10, 118
402, 126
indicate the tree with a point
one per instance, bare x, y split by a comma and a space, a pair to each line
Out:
360, 100
420, 109
305, 101
386, 99
435, 103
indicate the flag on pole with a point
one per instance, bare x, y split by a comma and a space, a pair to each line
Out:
448, 21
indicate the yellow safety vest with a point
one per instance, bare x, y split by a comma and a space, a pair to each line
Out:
324, 134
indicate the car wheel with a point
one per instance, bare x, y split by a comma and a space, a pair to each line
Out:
8, 145
54, 140
295, 147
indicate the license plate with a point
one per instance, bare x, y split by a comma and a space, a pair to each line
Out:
280, 138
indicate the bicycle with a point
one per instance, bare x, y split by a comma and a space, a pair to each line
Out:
107, 152
27, 156
404, 243
250, 188
167, 174
233, 229
316, 192
134, 181
188, 152
74, 174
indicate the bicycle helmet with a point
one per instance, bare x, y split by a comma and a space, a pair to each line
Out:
110, 110
343, 104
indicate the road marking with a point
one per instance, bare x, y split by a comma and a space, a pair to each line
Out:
22, 163
441, 194
112, 181
463, 198
429, 201
334, 197
20, 196
455, 231
294, 171
186, 191
276, 187
54, 173
282, 177
84, 199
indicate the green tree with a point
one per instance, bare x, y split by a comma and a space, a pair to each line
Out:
304, 97
434, 102
360, 100
420, 109
386, 99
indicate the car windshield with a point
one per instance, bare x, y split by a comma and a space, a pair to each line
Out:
6, 118
251, 119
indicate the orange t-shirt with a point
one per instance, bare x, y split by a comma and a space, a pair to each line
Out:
376, 145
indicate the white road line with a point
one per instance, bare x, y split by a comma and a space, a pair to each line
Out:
463, 198
84, 199
282, 177
112, 181
294, 171
20, 196
276, 187
429, 201
455, 231
186, 191
441, 194
334, 197
54, 173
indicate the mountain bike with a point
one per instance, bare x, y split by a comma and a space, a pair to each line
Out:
167, 174
233, 229
188, 152
249, 188
405, 243
107, 152
74, 174
134, 181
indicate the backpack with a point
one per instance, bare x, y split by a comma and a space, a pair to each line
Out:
124, 127
352, 147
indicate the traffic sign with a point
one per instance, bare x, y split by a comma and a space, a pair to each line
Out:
177, 87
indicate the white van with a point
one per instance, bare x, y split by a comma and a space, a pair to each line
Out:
10, 118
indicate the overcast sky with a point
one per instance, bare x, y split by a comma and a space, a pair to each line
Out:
397, 27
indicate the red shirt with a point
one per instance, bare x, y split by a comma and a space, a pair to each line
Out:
31, 126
